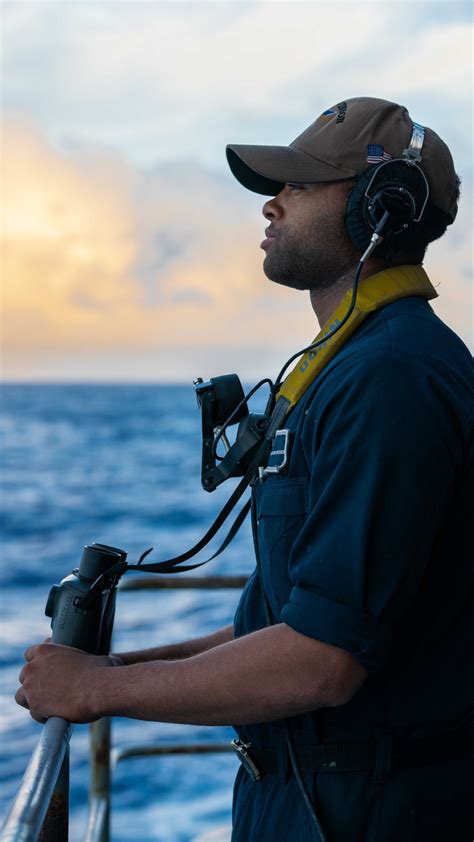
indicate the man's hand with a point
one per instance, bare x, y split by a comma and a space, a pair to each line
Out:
59, 681
266, 675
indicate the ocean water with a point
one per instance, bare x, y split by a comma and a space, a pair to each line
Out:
120, 465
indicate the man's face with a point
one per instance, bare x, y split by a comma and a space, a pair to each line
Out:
306, 244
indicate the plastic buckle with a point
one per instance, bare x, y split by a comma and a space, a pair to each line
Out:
240, 749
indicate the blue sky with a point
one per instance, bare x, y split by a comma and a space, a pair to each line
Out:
130, 251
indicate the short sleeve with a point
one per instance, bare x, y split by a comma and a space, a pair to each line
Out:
383, 459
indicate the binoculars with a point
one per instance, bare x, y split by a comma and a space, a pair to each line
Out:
75, 621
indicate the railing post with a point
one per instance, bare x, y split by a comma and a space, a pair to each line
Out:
98, 827
56, 822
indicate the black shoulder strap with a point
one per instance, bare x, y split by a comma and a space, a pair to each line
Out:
168, 566
173, 565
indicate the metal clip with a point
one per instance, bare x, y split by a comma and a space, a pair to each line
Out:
412, 154
240, 749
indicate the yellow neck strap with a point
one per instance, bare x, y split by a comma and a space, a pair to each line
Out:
374, 292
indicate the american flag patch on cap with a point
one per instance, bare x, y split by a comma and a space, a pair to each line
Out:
377, 155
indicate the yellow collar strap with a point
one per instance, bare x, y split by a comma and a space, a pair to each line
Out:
373, 293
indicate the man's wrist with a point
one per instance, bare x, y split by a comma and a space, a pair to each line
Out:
103, 691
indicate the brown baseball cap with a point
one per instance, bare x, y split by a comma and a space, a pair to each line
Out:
342, 143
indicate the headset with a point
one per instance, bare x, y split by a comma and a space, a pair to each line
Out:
388, 198
386, 201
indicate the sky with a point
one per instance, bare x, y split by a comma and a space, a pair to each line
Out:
129, 252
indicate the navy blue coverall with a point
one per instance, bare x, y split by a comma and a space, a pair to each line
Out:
364, 532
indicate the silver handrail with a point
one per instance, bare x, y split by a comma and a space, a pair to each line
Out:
25, 819
48, 766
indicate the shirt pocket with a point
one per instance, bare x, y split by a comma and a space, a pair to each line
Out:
281, 508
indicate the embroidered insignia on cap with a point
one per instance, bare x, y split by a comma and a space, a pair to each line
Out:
377, 155
278, 459
326, 115
339, 111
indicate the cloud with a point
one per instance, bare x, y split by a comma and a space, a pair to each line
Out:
449, 264
128, 250
156, 83
99, 257
67, 234
111, 271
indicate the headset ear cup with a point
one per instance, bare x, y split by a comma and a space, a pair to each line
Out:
356, 223
363, 214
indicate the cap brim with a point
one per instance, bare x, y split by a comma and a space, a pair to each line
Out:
266, 169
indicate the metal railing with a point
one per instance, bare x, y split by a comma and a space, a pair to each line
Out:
40, 810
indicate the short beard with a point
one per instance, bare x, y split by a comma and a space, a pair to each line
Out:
307, 266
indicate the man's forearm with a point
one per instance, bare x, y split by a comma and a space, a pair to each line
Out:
270, 674
178, 651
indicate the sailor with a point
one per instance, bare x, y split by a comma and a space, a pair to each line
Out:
348, 671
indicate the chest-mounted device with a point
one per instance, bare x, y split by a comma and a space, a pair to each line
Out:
223, 404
